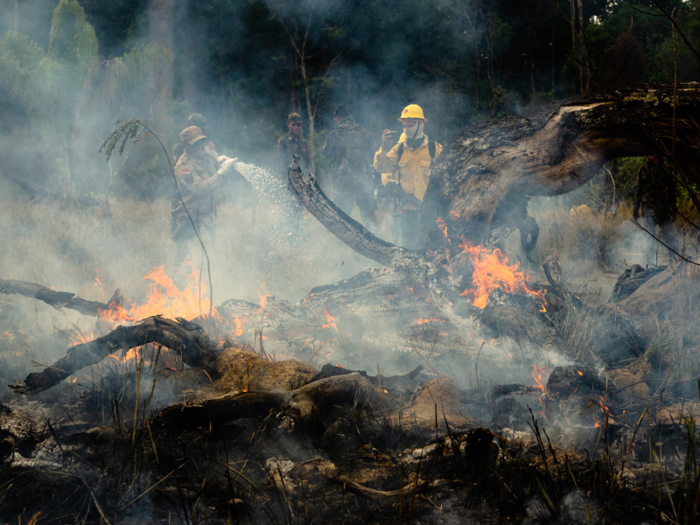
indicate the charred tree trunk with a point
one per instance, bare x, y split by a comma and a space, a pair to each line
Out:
556, 150
182, 336
59, 299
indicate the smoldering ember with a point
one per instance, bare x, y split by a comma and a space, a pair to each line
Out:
236, 289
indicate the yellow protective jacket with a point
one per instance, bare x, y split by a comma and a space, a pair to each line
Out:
412, 170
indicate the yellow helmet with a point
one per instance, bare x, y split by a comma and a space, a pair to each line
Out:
412, 111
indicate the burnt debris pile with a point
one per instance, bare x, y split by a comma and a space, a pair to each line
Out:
442, 385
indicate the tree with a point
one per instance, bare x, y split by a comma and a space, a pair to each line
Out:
301, 46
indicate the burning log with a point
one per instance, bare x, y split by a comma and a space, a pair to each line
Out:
186, 338
59, 299
477, 181
550, 152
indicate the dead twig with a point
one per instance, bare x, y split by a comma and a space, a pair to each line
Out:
663, 243
129, 128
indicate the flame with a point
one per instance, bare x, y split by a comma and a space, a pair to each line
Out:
131, 354
330, 320
81, 339
215, 325
443, 226
164, 299
423, 321
263, 298
605, 410
239, 327
454, 215
537, 373
98, 283
74, 380
579, 372
491, 272
9, 335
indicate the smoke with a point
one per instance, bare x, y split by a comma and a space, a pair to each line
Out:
75, 219
575, 508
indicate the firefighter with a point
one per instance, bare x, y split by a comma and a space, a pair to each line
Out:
194, 119
412, 161
198, 174
291, 144
656, 195
349, 152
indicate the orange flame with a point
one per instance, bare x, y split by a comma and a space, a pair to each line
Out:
239, 327
443, 226
98, 283
491, 272
605, 410
165, 299
131, 354
81, 339
537, 373
263, 298
330, 319
423, 321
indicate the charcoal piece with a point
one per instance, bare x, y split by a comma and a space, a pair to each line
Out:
567, 380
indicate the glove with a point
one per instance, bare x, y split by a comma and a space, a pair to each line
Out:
226, 164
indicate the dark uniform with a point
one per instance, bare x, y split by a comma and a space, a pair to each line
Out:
350, 150
286, 148
657, 195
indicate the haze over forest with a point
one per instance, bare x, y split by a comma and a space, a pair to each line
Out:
70, 69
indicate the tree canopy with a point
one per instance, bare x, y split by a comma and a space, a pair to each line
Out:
240, 63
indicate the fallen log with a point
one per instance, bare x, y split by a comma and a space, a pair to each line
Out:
557, 149
299, 408
221, 411
186, 338
59, 299
664, 291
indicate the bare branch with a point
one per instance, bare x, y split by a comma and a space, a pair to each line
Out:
662, 243
129, 129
